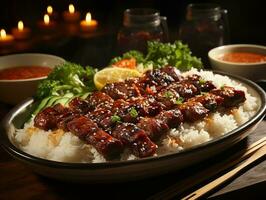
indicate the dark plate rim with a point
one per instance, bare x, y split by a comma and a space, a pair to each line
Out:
13, 150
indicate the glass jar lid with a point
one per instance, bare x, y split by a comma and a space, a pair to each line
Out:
141, 17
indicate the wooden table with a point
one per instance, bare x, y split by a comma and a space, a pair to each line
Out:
18, 182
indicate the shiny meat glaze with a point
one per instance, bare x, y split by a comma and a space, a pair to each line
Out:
136, 113
88, 131
135, 138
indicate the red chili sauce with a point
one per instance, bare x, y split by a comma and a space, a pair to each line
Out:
243, 57
24, 72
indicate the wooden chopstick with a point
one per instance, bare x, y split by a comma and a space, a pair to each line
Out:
229, 175
181, 186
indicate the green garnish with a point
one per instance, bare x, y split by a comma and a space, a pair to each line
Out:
116, 118
202, 81
168, 95
179, 101
130, 54
133, 112
222, 87
176, 54
161, 54
67, 78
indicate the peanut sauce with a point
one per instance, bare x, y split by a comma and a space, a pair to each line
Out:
24, 72
243, 57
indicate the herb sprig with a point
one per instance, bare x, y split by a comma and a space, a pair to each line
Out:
161, 54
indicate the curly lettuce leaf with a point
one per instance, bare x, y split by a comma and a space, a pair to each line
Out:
176, 54
163, 54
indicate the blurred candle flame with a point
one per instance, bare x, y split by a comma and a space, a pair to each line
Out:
2, 33
46, 19
88, 17
71, 8
49, 10
20, 25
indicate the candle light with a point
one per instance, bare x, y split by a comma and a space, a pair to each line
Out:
88, 24
71, 8
20, 25
46, 19
46, 24
71, 15
21, 32
49, 10
5, 39
52, 14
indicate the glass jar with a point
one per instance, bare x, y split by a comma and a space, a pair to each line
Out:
139, 26
205, 27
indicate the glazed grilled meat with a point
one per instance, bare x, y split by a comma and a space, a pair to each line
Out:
136, 113
167, 97
135, 138
46, 119
173, 72
79, 105
100, 99
173, 118
64, 115
157, 78
209, 101
193, 111
185, 89
200, 83
89, 132
231, 96
120, 90
155, 127
146, 106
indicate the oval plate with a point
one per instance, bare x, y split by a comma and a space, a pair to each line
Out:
133, 169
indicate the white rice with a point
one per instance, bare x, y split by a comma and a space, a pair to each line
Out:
66, 147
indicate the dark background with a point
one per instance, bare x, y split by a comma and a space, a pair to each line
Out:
246, 21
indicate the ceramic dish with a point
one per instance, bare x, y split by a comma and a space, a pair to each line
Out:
14, 91
133, 169
253, 71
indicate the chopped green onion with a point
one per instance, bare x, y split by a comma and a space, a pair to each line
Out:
116, 118
222, 87
133, 112
168, 94
201, 81
179, 101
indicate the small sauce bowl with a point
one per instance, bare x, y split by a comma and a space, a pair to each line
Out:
255, 71
14, 91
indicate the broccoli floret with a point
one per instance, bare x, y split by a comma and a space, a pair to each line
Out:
45, 88
67, 77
